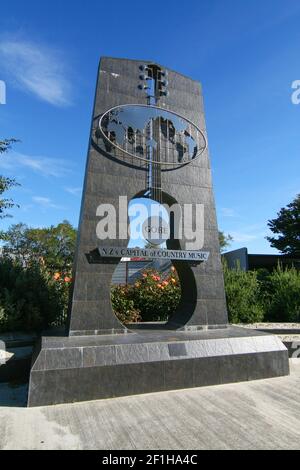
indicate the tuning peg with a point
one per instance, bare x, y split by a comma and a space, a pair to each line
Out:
143, 87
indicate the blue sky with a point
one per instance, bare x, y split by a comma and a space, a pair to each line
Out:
245, 53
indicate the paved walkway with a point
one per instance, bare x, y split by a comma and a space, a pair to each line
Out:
263, 414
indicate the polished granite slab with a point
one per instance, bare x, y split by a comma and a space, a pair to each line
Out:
69, 369
142, 335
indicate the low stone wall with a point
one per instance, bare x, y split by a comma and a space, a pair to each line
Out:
289, 333
18, 354
285, 328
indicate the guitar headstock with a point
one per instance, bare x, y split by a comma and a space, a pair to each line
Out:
154, 82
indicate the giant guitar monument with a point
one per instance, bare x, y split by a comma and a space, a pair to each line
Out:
148, 140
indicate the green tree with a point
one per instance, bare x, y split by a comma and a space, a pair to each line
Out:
224, 240
6, 183
54, 246
286, 226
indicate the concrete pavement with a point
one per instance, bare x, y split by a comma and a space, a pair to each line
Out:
262, 414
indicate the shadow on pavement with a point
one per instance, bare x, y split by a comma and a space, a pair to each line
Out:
13, 394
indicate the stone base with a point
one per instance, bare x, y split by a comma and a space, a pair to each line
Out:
70, 369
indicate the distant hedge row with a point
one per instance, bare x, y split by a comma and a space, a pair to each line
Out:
254, 296
32, 298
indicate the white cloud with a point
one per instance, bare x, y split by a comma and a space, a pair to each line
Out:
247, 236
75, 191
227, 212
46, 203
240, 237
38, 69
46, 166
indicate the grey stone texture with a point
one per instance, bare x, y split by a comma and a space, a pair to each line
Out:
197, 346
70, 369
203, 301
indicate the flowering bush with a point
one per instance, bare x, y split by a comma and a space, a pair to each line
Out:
34, 297
151, 298
31, 297
35, 276
123, 305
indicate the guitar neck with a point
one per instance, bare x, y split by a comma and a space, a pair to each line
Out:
154, 165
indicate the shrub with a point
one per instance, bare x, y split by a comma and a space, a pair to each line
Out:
243, 295
30, 298
123, 305
34, 298
151, 298
282, 295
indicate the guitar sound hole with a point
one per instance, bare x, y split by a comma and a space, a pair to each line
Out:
145, 292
